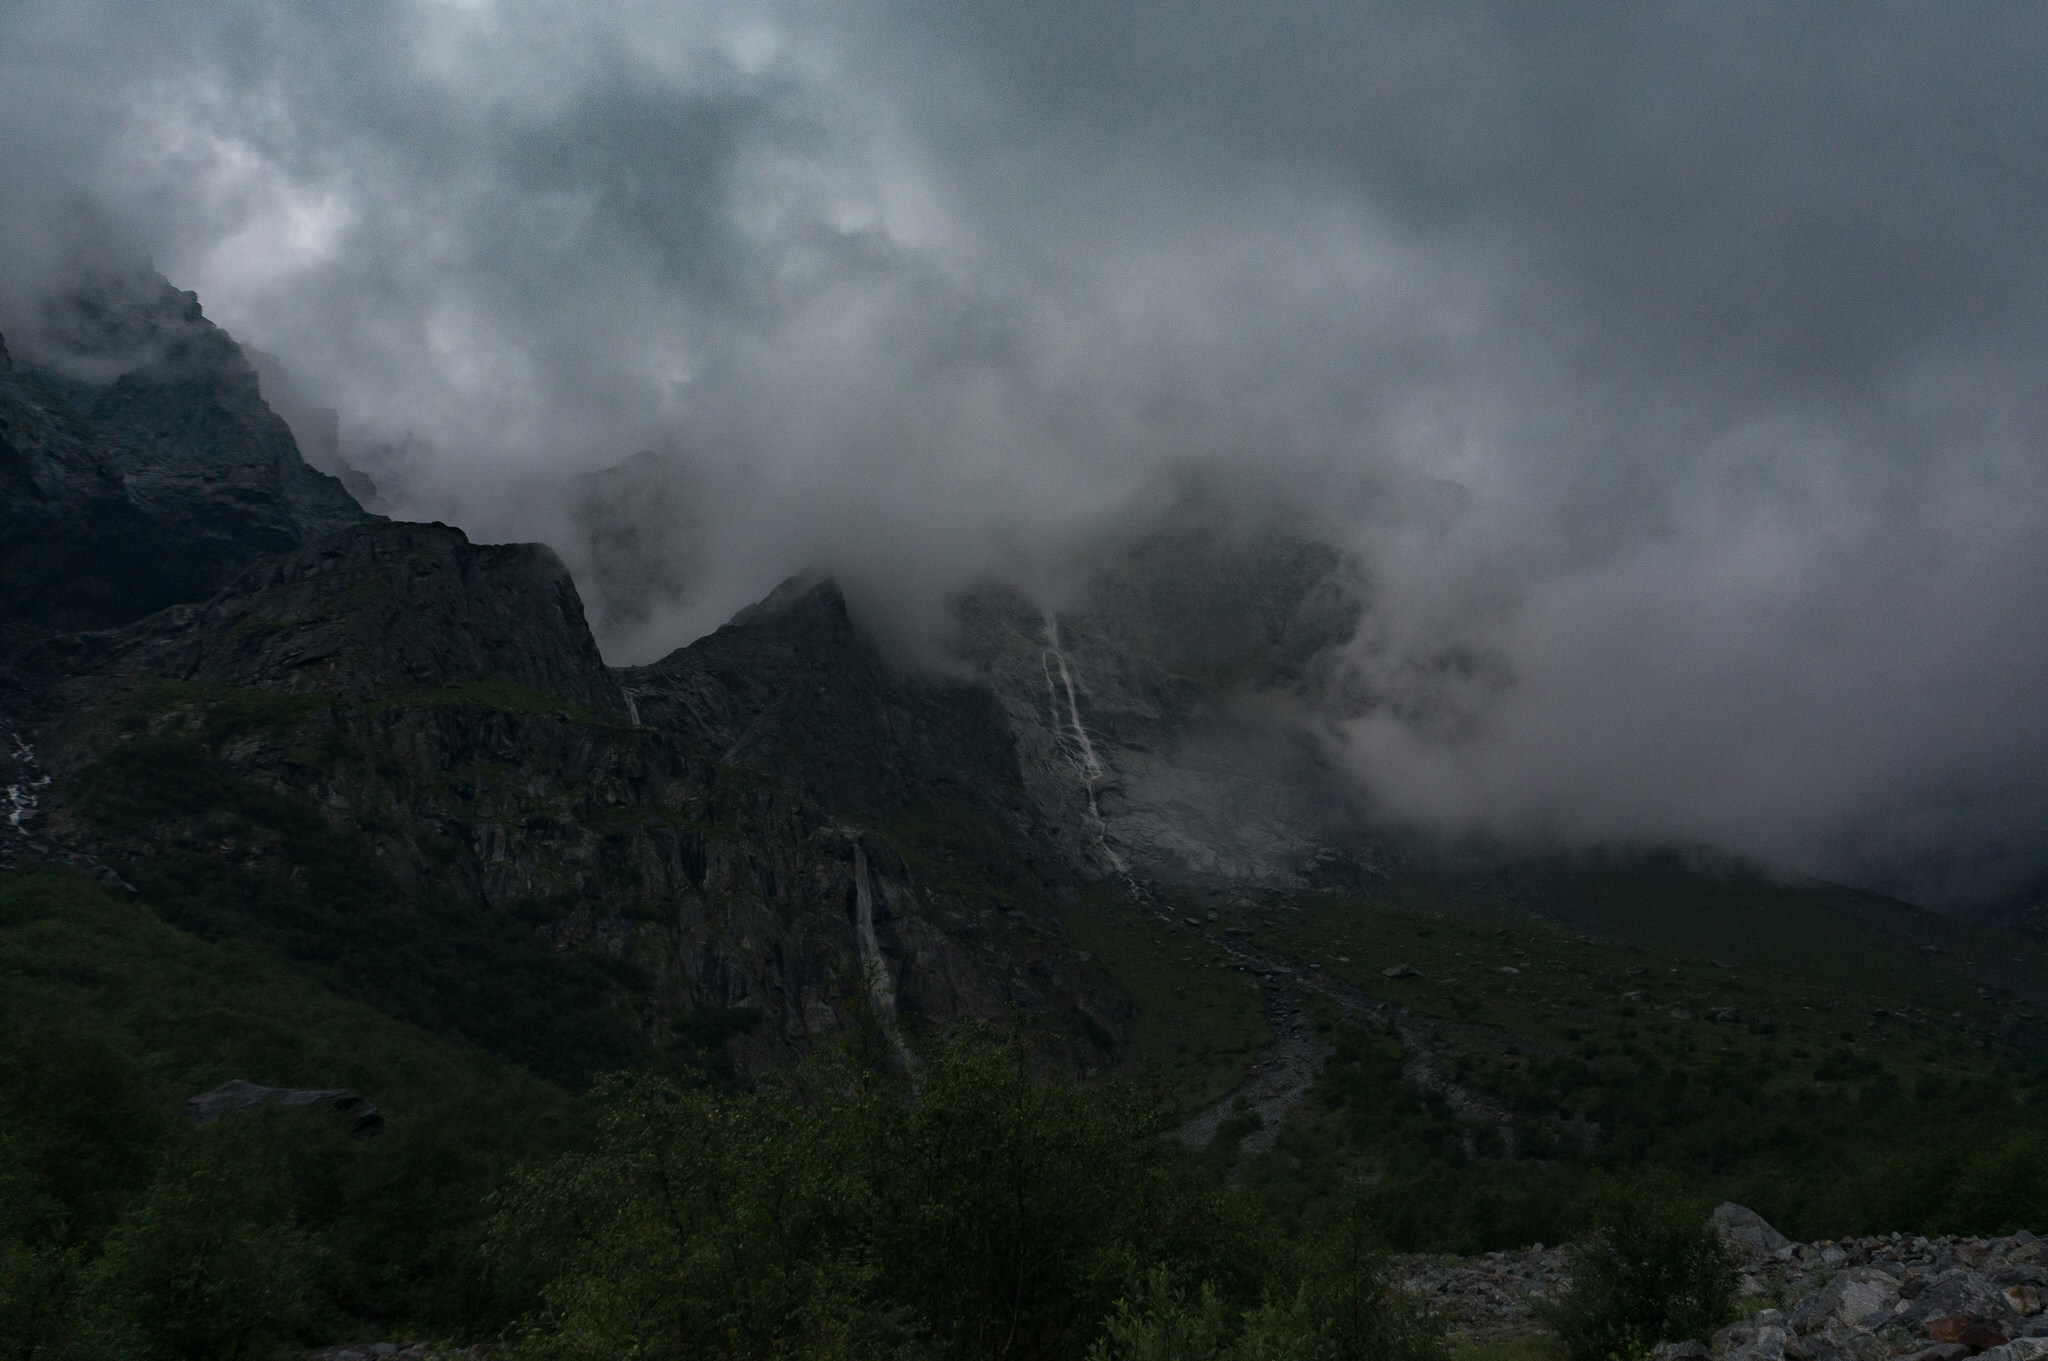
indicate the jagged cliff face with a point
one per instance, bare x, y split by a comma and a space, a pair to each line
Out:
1155, 727
1158, 717
793, 688
139, 466
389, 752
441, 710
376, 609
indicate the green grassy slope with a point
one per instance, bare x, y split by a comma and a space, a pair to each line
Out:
110, 1017
1199, 1025
1758, 1037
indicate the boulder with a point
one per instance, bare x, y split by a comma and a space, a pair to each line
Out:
357, 1116
1745, 1229
1860, 1298
2019, 1349
1954, 1294
1762, 1338
1816, 1349
1971, 1331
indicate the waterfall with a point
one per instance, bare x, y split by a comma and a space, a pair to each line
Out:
1070, 734
881, 988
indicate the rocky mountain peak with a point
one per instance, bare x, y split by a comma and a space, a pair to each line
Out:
139, 464
792, 685
382, 609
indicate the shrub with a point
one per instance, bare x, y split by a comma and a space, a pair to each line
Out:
214, 1262
1157, 1320
1345, 1305
1652, 1270
970, 1208
1340, 1304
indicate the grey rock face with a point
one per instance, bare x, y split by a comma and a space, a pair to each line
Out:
1154, 716
1745, 1229
1151, 728
420, 657
720, 888
378, 609
792, 687
139, 465
356, 1115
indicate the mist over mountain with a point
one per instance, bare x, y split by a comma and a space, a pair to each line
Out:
1622, 424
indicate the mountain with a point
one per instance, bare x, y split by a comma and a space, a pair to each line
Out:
139, 465
303, 797
396, 757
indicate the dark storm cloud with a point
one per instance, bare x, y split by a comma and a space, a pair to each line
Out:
1728, 321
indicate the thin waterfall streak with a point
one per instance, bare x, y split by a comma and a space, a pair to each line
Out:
1088, 765
881, 988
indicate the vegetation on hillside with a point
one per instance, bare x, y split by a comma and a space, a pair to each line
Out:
970, 1208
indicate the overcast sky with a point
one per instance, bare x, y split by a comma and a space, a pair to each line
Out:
1729, 319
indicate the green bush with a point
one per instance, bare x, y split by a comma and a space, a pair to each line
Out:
219, 1260
968, 1209
1652, 1270
1335, 1301
1160, 1321
77, 1139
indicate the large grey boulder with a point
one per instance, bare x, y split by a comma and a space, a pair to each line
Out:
1743, 1228
1861, 1298
1758, 1339
358, 1116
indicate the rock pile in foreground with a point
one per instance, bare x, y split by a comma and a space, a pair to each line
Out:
1895, 1298
1487, 1297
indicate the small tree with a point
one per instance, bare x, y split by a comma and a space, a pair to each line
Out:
1651, 1270
1159, 1321
214, 1263
1346, 1305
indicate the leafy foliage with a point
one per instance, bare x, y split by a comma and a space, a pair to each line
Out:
1335, 1301
108, 1019
974, 1210
1652, 1270
322, 900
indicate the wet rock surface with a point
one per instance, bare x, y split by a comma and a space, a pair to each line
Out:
355, 1114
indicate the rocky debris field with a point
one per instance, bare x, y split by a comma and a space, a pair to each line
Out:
1488, 1297
1281, 1076
1870, 1299
1895, 1298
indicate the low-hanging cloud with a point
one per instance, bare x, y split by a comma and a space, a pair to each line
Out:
1729, 323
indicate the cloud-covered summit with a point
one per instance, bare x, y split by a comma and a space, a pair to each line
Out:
1729, 322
